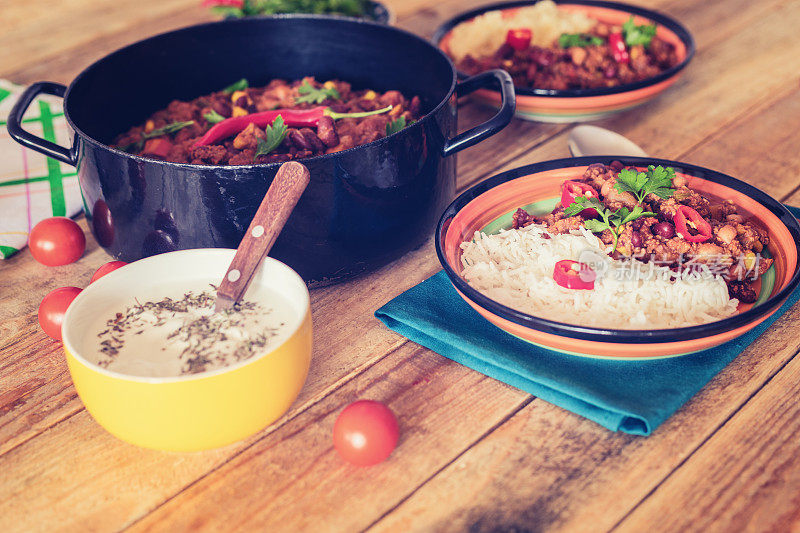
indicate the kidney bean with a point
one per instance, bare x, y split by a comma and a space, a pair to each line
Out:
326, 131
299, 140
664, 229
636, 239
312, 139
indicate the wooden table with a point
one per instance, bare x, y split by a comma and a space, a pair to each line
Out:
474, 453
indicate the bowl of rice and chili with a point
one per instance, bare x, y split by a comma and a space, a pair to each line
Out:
570, 60
632, 258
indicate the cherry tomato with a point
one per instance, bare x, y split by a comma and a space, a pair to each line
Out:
519, 39
574, 275
111, 266
365, 433
57, 241
52, 309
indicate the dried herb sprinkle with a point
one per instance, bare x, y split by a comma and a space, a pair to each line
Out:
201, 331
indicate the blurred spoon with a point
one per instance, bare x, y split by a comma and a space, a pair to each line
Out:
593, 140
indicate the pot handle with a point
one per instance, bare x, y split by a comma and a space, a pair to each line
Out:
508, 105
27, 139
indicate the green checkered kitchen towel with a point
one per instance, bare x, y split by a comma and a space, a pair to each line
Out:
33, 186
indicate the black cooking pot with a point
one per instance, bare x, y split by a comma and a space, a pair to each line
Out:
364, 207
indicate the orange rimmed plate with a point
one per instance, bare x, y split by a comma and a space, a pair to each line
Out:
577, 105
489, 206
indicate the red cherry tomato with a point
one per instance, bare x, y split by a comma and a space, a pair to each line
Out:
52, 309
572, 189
574, 275
519, 39
685, 218
57, 241
365, 433
111, 266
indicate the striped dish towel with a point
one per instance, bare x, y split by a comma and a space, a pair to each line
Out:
33, 186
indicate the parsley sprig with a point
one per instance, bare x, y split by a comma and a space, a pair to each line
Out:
567, 40
638, 34
612, 221
276, 132
396, 125
656, 180
312, 95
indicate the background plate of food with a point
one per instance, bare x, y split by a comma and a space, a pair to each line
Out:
637, 258
571, 60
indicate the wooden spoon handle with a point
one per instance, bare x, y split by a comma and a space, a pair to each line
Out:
284, 192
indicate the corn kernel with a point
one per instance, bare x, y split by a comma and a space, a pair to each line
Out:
370, 95
238, 111
749, 260
149, 126
329, 85
236, 95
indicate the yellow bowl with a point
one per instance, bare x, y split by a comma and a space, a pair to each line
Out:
199, 411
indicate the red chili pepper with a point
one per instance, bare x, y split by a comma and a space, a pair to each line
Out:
618, 48
519, 39
574, 275
159, 147
296, 118
686, 217
572, 189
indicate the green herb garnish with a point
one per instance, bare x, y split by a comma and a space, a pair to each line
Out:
240, 85
578, 39
638, 34
312, 95
169, 128
612, 221
213, 117
396, 125
657, 180
276, 132
350, 8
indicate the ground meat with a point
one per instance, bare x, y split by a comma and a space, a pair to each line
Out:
575, 67
742, 291
299, 143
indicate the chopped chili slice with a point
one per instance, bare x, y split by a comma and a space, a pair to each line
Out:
574, 275
572, 189
690, 225
519, 39
618, 48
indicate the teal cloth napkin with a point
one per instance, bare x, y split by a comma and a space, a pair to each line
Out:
630, 396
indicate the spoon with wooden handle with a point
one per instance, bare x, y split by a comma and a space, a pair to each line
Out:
284, 192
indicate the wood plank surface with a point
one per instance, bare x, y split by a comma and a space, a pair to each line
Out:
474, 453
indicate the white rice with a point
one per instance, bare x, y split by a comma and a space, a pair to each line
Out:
515, 268
485, 33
